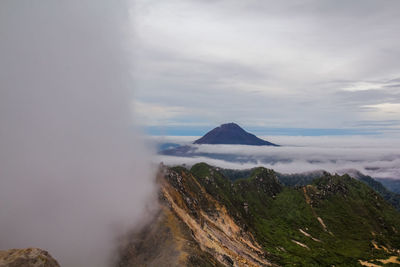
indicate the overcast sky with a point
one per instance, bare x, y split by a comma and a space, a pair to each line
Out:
268, 64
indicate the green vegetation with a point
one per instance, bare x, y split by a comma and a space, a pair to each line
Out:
299, 179
234, 175
391, 184
391, 197
302, 179
335, 220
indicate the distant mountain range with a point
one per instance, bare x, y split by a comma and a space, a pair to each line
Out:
231, 134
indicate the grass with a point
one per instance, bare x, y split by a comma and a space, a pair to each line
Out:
353, 213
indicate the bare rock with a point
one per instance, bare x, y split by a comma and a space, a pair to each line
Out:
28, 257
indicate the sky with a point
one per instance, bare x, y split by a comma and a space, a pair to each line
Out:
306, 67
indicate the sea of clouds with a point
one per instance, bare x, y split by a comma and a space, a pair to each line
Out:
372, 155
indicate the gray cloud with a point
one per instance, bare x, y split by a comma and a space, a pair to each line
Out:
267, 63
73, 174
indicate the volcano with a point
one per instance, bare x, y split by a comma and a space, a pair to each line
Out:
231, 134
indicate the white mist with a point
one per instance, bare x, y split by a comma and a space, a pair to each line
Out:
74, 173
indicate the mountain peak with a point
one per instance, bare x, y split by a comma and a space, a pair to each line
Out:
231, 134
231, 125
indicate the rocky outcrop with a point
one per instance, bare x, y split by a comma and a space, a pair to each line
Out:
166, 241
191, 229
213, 228
28, 257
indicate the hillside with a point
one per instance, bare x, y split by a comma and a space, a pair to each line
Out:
207, 220
232, 134
391, 197
392, 184
307, 178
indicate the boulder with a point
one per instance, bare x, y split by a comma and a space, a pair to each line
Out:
28, 257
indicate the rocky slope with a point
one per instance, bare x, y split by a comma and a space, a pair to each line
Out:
192, 229
29, 257
207, 220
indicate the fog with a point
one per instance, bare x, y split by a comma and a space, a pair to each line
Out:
372, 155
74, 173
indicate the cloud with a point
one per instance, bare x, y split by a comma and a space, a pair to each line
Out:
74, 176
264, 63
385, 107
155, 114
363, 86
378, 157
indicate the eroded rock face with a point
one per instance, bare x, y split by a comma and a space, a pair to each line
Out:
192, 229
28, 257
212, 227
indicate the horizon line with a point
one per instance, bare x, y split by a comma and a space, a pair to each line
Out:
263, 131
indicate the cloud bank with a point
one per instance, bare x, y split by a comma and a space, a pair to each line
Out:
74, 175
377, 157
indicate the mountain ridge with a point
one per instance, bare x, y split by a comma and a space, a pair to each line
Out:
209, 220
